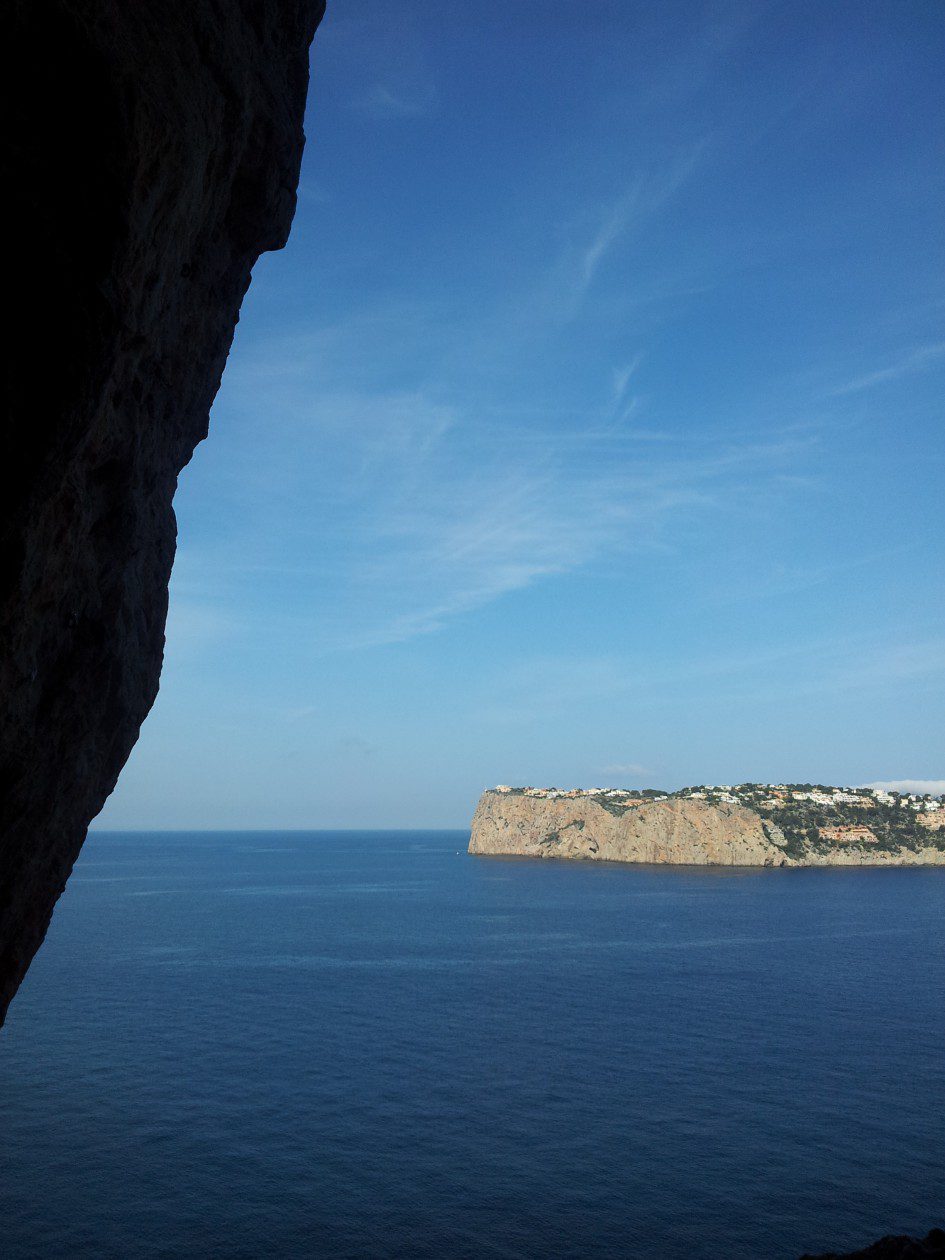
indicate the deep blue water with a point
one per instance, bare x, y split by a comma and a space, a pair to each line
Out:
372, 1044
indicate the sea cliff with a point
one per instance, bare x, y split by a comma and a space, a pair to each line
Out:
688, 830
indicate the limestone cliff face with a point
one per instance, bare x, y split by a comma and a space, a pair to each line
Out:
688, 832
153, 154
676, 831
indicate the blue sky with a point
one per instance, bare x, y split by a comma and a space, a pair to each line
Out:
588, 431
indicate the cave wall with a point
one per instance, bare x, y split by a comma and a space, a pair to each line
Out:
153, 153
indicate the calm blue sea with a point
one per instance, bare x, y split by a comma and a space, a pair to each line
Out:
372, 1044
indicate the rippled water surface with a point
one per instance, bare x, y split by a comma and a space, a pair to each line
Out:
372, 1044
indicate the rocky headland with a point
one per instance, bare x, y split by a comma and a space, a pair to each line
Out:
749, 825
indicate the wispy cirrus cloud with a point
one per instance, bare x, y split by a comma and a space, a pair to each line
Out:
402, 514
622, 376
645, 194
402, 510
382, 100
918, 359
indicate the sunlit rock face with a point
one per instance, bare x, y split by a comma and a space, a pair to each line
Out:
674, 831
153, 154
671, 831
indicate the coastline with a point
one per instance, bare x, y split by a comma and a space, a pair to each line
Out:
677, 831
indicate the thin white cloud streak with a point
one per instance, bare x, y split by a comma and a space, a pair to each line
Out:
400, 512
475, 530
917, 360
400, 518
642, 199
622, 376
614, 226
383, 102
432, 513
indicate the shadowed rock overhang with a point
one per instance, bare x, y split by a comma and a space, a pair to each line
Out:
152, 154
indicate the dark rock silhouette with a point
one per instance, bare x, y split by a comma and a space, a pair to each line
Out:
153, 154
895, 1247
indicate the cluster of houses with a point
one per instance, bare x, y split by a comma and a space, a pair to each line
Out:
774, 794
864, 798
554, 794
763, 795
848, 835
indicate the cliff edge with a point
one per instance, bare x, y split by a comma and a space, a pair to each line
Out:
152, 154
676, 829
689, 833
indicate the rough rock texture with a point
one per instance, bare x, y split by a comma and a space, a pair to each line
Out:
677, 831
154, 153
688, 832
895, 1247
